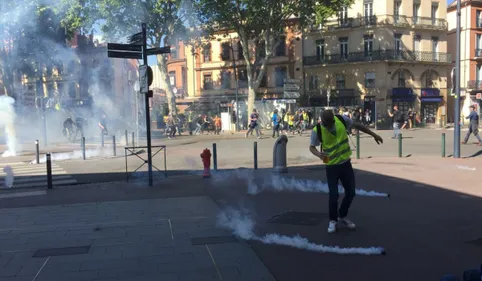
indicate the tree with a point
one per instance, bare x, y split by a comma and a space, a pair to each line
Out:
261, 22
164, 18
31, 33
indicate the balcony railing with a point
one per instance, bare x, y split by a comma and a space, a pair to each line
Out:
474, 84
385, 55
383, 20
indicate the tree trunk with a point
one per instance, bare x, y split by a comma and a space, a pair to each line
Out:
251, 94
171, 98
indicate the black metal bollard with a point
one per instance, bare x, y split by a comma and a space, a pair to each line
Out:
127, 138
37, 149
83, 147
113, 145
255, 148
133, 140
102, 139
215, 157
49, 171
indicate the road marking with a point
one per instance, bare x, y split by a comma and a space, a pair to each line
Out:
214, 262
22, 194
170, 227
40, 270
31, 176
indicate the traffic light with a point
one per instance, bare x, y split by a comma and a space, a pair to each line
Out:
150, 94
150, 76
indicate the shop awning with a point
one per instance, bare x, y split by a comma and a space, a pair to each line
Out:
432, 99
402, 95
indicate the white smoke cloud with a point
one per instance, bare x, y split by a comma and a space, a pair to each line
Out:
242, 226
76, 155
279, 183
7, 122
9, 178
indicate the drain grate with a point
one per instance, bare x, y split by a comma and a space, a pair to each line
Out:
69, 251
298, 218
477, 242
213, 240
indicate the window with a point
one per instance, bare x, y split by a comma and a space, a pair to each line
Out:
435, 48
370, 80
368, 45
172, 78
226, 80
240, 51
478, 75
281, 48
434, 13
401, 79
343, 16
398, 44
184, 78
173, 53
340, 81
396, 11
478, 45
320, 50
260, 49
479, 18
416, 47
208, 82
343, 48
207, 53
226, 51
281, 73
242, 78
264, 81
313, 86
416, 8
368, 13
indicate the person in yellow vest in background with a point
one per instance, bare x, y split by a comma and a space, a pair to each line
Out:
306, 119
291, 122
331, 134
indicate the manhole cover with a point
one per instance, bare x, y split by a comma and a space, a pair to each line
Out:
477, 242
298, 218
213, 240
61, 251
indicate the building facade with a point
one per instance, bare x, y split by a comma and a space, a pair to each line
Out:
470, 51
216, 71
376, 54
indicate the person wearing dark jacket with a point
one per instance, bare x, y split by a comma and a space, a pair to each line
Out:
473, 126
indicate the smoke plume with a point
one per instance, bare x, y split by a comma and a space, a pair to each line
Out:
8, 182
7, 122
279, 183
76, 155
242, 226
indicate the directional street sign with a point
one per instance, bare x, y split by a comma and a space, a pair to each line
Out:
291, 87
124, 51
136, 38
291, 95
158, 51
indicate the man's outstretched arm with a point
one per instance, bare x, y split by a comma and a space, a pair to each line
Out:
366, 130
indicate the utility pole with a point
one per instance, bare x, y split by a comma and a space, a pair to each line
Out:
237, 84
148, 116
457, 89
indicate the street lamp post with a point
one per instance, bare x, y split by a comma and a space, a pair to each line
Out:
457, 89
237, 84
328, 95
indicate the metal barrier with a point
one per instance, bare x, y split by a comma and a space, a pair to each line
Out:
131, 150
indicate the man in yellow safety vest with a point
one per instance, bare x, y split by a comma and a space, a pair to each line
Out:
331, 134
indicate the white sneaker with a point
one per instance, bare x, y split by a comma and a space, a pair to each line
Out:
346, 223
332, 226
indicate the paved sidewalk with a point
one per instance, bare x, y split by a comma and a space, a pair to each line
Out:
143, 240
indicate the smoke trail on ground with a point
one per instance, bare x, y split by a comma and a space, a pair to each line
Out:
279, 183
75, 155
7, 121
8, 182
242, 226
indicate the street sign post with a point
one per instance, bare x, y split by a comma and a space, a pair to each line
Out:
138, 50
291, 88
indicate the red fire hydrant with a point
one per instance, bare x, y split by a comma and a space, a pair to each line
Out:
206, 157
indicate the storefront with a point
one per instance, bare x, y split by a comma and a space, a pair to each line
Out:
404, 98
430, 101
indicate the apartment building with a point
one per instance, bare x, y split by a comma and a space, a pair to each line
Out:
214, 69
379, 53
470, 50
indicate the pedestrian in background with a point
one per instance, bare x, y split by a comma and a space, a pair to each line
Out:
473, 126
276, 119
